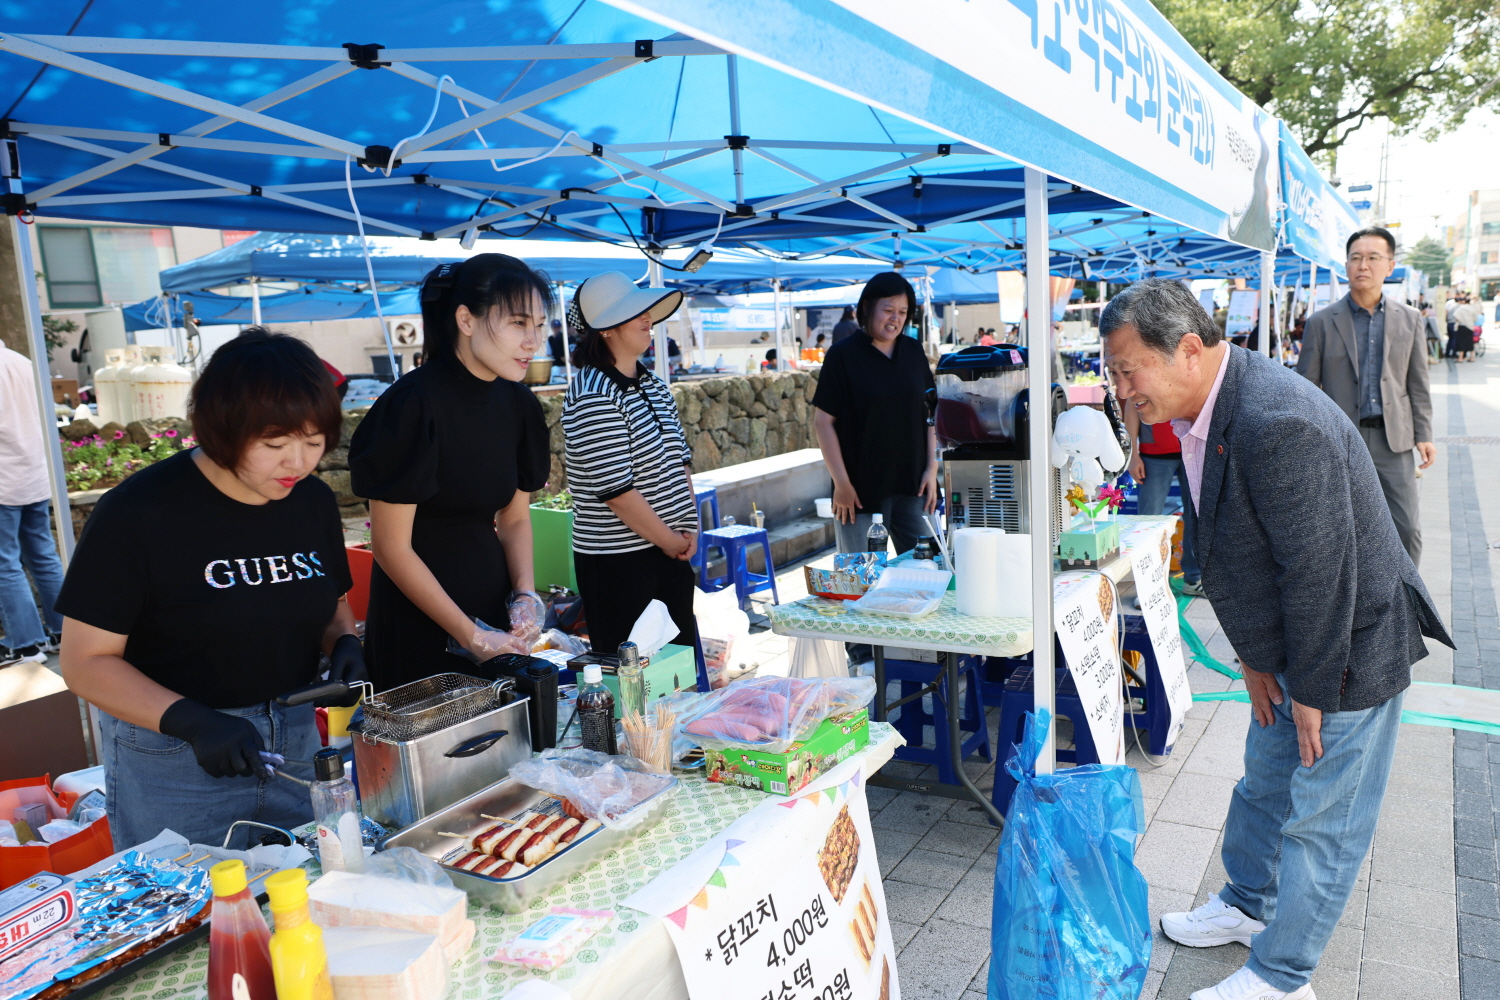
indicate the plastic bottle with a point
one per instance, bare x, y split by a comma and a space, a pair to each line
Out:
632, 681
336, 811
877, 537
596, 712
239, 943
298, 956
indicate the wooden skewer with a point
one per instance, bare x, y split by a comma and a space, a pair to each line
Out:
196, 860
445, 833
261, 875
498, 819
181, 856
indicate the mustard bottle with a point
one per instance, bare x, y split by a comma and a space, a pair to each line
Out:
299, 960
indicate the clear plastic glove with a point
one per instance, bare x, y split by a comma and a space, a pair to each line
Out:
487, 643
527, 614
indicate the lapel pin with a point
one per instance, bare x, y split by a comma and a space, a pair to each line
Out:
1221, 449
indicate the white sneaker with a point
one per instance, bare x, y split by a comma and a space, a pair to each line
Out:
1210, 925
1246, 985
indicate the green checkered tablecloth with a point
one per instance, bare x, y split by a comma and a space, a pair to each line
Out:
945, 628
698, 811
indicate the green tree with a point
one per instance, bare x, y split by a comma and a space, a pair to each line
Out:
1328, 67
1432, 259
56, 332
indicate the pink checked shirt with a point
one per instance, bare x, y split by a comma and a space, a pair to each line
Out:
1194, 437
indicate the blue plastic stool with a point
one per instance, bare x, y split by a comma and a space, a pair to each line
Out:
1019, 699
705, 497
911, 718
735, 541
1157, 718
993, 674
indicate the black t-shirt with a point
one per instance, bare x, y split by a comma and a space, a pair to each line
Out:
879, 406
224, 602
843, 330
459, 448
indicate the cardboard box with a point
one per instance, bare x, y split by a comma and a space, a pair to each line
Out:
835, 740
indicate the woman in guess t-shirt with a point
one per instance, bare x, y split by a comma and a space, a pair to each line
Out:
206, 585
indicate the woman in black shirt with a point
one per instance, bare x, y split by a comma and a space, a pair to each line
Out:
206, 585
448, 457
871, 418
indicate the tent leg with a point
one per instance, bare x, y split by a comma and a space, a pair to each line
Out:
255, 301
776, 318
1267, 274
663, 365
31, 304
1039, 382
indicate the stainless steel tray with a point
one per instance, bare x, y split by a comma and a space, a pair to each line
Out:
510, 798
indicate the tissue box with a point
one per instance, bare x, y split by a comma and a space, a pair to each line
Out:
671, 668
1088, 545
835, 740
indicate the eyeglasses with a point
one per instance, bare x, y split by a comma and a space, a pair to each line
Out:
1356, 259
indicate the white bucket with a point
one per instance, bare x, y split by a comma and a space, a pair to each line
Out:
825, 506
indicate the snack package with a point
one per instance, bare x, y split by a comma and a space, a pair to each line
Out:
552, 940
772, 713
598, 786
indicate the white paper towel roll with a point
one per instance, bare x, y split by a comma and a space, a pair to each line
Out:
994, 572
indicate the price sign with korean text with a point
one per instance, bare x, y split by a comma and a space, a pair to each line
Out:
1084, 610
1150, 552
785, 904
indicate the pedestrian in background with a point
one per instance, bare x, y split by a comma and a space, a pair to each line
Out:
844, 327
26, 543
1463, 320
1309, 580
1369, 354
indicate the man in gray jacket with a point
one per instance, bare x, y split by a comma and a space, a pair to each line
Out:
1309, 580
1369, 353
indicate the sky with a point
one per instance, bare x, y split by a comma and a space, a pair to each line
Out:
1427, 178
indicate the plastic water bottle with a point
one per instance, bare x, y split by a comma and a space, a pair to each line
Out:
877, 537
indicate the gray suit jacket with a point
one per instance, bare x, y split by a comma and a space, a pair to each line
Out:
1300, 557
1329, 360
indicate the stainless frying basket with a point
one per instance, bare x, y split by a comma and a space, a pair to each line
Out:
432, 704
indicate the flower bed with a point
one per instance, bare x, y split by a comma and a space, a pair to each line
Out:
98, 462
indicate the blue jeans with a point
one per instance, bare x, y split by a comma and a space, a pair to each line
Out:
1152, 499
153, 782
1296, 836
26, 546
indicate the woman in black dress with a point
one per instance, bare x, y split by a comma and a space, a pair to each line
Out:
448, 457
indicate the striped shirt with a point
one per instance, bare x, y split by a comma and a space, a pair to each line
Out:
623, 434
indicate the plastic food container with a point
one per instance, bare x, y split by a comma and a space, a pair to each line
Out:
931, 583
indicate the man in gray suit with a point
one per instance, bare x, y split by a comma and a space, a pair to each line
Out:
1369, 353
1309, 580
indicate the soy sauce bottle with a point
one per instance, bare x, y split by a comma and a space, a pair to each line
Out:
596, 712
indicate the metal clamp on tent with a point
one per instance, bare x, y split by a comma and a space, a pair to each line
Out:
366, 56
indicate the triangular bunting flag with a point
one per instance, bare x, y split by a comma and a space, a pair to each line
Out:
832, 793
701, 900
679, 918
789, 803
730, 845
729, 859
717, 878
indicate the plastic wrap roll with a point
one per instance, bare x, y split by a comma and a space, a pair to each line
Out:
994, 573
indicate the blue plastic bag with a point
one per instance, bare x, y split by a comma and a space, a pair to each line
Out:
1070, 918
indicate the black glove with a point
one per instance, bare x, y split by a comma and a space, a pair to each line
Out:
225, 745
347, 663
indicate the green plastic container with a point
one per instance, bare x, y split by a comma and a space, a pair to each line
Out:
552, 548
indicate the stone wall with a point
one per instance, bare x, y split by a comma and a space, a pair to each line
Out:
728, 420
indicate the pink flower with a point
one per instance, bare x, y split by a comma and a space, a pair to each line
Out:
119, 435
170, 432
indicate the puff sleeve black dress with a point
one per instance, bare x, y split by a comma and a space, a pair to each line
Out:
459, 448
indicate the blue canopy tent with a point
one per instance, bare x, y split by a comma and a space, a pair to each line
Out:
556, 118
300, 306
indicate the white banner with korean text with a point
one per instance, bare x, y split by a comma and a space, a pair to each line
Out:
784, 904
1083, 605
1149, 548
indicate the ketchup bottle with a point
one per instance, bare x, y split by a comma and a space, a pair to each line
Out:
239, 943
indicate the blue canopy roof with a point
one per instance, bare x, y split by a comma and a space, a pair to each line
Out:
328, 258
300, 306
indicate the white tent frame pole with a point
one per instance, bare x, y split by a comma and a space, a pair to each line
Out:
776, 309
1039, 393
733, 68
31, 304
469, 53
1267, 275
659, 331
255, 300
